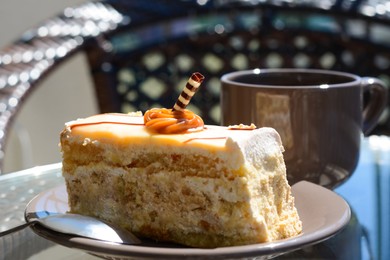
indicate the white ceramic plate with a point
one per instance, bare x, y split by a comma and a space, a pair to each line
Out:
323, 214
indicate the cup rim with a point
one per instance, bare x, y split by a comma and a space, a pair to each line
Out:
227, 78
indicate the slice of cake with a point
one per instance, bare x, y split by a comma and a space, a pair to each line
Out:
210, 187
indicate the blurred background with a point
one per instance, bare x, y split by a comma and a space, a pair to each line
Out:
230, 41
65, 95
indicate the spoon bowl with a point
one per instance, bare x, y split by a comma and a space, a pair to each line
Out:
83, 226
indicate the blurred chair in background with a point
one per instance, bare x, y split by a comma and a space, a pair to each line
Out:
141, 53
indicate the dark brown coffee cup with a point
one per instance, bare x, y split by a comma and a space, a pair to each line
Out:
319, 115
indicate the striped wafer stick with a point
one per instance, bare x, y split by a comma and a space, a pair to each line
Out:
189, 90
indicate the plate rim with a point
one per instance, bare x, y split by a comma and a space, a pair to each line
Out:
262, 249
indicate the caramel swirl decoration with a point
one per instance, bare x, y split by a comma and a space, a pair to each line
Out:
178, 119
166, 121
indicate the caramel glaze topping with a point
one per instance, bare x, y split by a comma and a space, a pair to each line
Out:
120, 119
166, 121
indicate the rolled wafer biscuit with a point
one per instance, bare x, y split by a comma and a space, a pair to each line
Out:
189, 90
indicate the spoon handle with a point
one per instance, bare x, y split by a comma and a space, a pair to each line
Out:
17, 228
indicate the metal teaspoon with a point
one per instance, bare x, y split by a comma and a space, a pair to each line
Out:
83, 226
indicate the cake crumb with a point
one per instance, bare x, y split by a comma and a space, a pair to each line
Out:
135, 114
86, 141
252, 126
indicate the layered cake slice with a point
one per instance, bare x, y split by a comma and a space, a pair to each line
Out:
206, 186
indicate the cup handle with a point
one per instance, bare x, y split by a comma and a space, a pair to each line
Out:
376, 104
